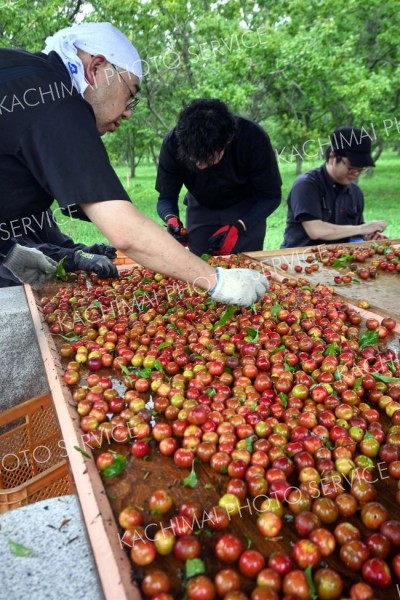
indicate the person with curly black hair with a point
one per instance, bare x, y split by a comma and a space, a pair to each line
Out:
228, 166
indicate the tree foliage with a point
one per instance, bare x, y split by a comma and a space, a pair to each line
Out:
300, 68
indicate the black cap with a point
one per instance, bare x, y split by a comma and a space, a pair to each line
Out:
353, 143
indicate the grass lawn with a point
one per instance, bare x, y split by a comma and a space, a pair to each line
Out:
380, 191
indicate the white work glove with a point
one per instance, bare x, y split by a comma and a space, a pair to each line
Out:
29, 265
239, 286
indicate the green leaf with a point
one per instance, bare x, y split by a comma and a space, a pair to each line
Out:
368, 435
158, 366
118, 466
253, 333
125, 370
369, 338
194, 566
342, 261
249, 443
60, 271
249, 541
332, 349
358, 384
191, 480
96, 303
163, 345
71, 337
205, 256
278, 349
223, 469
85, 454
385, 378
310, 583
306, 287
19, 549
138, 292
144, 373
284, 399
337, 375
173, 309
211, 392
290, 368
227, 314
275, 309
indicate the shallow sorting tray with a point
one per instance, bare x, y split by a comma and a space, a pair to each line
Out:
382, 293
114, 567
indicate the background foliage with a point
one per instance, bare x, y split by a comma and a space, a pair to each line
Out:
298, 67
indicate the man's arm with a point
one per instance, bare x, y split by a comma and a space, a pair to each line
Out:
321, 230
147, 243
260, 210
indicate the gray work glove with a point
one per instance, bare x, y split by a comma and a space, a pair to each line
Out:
239, 286
29, 265
101, 265
104, 250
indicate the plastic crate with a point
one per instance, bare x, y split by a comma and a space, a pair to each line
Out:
32, 463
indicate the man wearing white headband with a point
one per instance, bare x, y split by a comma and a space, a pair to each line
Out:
54, 106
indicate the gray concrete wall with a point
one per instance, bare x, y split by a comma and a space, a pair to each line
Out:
22, 374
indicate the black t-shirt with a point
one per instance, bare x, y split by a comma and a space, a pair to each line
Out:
247, 171
315, 196
49, 145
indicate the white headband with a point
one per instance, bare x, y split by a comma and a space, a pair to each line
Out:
94, 38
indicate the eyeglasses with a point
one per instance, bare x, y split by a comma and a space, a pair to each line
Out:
132, 104
353, 169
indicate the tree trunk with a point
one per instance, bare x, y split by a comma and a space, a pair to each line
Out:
154, 155
131, 153
299, 163
369, 172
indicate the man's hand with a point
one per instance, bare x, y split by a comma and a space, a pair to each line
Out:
375, 236
101, 265
224, 239
373, 227
104, 250
176, 229
29, 265
239, 286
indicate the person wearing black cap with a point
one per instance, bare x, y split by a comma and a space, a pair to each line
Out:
325, 205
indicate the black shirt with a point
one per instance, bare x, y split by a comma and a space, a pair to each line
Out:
248, 171
49, 145
315, 196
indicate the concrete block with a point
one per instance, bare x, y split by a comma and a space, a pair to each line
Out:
22, 375
61, 565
